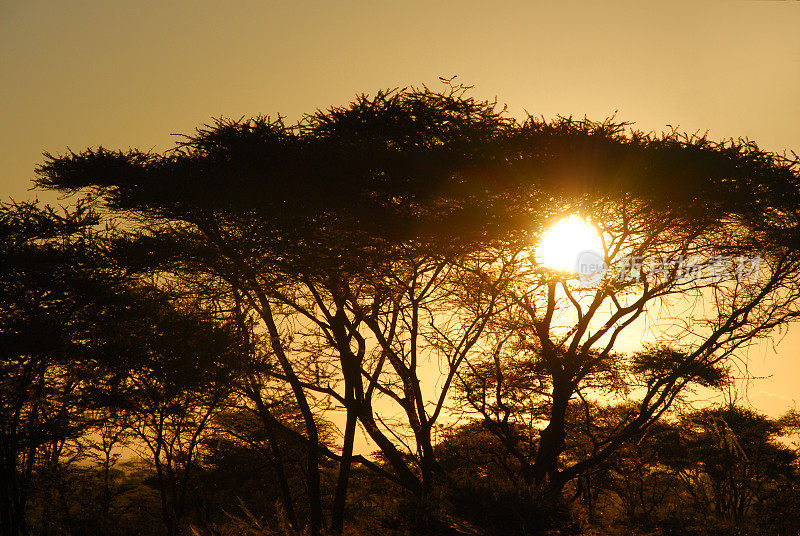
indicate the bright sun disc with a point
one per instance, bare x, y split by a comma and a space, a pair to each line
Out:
565, 241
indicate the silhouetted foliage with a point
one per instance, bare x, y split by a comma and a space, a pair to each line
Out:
86, 344
378, 259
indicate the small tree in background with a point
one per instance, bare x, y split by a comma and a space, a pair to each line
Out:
86, 341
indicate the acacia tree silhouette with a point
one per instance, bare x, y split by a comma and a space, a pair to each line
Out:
374, 239
70, 318
667, 199
740, 460
181, 376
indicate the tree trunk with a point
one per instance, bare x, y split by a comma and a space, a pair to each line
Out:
340, 498
312, 454
270, 422
551, 443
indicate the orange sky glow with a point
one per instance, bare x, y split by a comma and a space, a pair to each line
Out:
129, 74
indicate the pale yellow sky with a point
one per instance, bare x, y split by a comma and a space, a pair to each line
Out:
123, 74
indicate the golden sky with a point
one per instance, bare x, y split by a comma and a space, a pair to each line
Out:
127, 74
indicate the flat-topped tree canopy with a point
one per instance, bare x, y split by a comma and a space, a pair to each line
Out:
417, 164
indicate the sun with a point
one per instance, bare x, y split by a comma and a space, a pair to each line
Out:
563, 243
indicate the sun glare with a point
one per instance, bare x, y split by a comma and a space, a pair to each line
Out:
564, 242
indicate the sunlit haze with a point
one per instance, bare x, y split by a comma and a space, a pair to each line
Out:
132, 74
